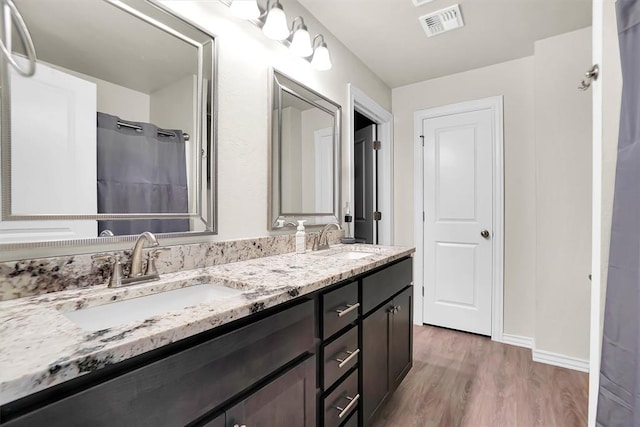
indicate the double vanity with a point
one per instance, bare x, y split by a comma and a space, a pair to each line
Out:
321, 338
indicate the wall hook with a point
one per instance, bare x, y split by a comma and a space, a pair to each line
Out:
592, 75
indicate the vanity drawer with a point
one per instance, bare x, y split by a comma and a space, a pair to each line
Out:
380, 286
342, 401
353, 420
340, 356
340, 307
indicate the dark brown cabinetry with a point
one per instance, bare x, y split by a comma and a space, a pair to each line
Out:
400, 337
387, 342
289, 400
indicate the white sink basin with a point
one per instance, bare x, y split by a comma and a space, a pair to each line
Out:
141, 308
351, 255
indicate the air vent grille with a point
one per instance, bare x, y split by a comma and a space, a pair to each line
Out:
417, 3
442, 21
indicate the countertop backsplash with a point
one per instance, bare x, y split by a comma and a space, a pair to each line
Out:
31, 277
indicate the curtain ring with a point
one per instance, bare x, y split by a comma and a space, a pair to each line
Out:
26, 39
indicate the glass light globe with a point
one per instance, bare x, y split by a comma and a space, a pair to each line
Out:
275, 27
301, 43
321, 59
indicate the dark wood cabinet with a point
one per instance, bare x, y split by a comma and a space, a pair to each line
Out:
400, 337
375, 357
289, 400
387, 339
218, 421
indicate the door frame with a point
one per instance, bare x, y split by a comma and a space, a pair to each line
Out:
495, 104
597, 221
365, 105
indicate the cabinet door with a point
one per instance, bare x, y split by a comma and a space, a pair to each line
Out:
216, 422
401, 337
288, 400
375, 356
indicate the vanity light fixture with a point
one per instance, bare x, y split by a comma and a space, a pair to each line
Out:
321, 59
275, 24
300, 39
246, 9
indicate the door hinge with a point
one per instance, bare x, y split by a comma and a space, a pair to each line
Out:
423, 291
423, 216
377, 145
422, 138
377, 216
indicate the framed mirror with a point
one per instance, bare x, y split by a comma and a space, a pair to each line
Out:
304, 155
114, 134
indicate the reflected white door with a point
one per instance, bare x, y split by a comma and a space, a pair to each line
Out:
53, 155
324, 170
458, 206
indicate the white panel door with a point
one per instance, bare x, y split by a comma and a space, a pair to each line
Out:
458, 206
53, 155
324, 170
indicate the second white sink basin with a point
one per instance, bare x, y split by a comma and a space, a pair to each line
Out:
351, 255
141, 308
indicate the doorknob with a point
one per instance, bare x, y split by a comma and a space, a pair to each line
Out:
485, 234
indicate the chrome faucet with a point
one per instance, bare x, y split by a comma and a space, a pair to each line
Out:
322, 241
136, 275
136, 255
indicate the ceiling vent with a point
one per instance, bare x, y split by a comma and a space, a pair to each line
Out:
417, 3
442, 21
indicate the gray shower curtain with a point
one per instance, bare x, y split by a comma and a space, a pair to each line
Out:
619, 394
140, 172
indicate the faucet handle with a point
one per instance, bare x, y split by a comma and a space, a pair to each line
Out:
152, 256
115, 280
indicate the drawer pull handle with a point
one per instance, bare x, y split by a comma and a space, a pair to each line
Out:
350, 307
352, 401
238, 425
351, 354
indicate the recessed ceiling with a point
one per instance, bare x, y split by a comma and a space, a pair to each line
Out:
387, 36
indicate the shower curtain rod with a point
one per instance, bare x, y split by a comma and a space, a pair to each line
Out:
160, 131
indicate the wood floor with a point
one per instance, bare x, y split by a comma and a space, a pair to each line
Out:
460, 379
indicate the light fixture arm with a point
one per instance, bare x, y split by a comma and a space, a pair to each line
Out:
300, 24
318, 36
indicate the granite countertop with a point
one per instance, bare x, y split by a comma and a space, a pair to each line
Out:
40, 347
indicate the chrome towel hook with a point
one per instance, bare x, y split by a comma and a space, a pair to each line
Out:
23, 31
591, 76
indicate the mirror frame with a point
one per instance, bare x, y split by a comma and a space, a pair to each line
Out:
160, 16
286, 84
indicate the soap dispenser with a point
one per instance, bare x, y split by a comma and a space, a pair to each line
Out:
301, 239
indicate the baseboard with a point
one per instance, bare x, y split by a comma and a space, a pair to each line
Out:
517, 340
560, 360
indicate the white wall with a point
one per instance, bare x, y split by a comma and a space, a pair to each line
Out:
244, 59
128, 104
563, 141
513, 80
